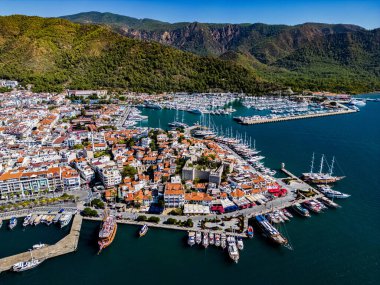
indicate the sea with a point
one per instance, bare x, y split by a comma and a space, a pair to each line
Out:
339, 246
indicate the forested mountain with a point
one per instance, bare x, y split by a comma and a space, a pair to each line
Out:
308, 56
53, 54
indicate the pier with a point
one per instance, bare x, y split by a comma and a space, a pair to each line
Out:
251, 121
66, 245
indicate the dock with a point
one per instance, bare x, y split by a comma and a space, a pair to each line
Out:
66, 245
250, 121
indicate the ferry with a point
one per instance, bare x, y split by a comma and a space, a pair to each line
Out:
143, 230
12, 223
233, 251
107, 232
240, 243
23, 266
250, 232
270, 231
26, 220
198, 237
191, 239
65, 220
330, 193
301, 210
205, 241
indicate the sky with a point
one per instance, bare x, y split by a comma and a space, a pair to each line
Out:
365, 13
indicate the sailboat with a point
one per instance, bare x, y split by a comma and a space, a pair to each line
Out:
321, 177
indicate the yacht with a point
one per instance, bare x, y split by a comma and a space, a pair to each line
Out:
217, 240
23, 266
321, 177
26, 220
205, 241
233, 251
56, 218
39, 245
330, 193
301, 210
198, 237
65, 220
211, 238
223, 240
240, 243
37, 220
1, 223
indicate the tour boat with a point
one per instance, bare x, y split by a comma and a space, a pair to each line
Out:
143, 230
321, 177
107, 231
270, 231
12, 223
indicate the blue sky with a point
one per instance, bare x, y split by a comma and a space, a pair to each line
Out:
365, 13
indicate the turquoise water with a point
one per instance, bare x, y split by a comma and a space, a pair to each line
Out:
337, 247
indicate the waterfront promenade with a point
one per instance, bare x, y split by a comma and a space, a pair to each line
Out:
66, 245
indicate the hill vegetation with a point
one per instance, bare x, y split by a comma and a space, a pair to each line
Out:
309, 56
53, 54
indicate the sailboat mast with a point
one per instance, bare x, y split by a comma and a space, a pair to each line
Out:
332, 165
312, 164
321, 166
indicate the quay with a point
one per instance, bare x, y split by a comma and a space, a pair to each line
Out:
250, 121
66, 245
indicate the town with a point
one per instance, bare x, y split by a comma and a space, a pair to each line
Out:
73, 151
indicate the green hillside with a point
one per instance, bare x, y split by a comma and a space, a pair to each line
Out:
53, 54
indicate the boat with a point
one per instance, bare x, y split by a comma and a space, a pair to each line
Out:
205, 241
12, 223
198, 237
321, 177
301, 210
312, 206
211, 238
56, 218
250, 232
65, 220
287, 213
107, 231
191, 239
143, 230
217, 240
270, 231
31, 221
26, 265
240, 243
37, 220
233, 251
39, 245
152, 105
328, 202
49, 220
358, 102
223, 240
330, 193
1, 223
26, 220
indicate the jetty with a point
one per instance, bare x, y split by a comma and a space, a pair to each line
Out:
254, 121
66, 245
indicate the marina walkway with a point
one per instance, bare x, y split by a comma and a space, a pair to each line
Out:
66, 245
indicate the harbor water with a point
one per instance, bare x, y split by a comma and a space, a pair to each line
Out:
339, 246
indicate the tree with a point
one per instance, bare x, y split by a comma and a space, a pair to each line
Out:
154, 219
129, 171
88, 212
141, 218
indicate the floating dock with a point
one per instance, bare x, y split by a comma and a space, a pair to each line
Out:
66, 245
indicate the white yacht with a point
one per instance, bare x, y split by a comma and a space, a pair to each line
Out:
23, 266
